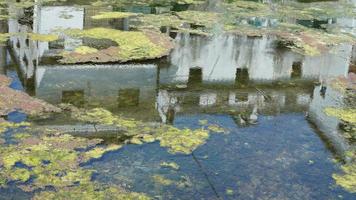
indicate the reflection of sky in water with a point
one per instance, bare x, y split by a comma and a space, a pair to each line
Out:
266, 161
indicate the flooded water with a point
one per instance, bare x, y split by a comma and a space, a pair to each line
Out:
278, 144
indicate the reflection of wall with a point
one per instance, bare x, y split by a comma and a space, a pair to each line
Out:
271, 101
124, 89
100, 83
25, 50
3, 51
49, 19
221, 56
328, 125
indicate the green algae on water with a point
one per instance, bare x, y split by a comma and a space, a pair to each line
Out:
347, 115
91, 191
171, 165
162, 180
347, 179
5, 125
183, 141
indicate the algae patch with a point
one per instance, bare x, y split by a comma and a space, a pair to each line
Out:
171, 165
113, 15
347, 115
43, 37
131, 45
183, 141
348, 178
162, 180
5, 125
91, 191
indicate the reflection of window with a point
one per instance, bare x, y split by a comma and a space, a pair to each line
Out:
296, 70
75, 97
58, 44
128, 97
241, 97
208, 99
195, 76
242, 76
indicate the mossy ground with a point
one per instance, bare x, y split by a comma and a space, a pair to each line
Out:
113, 15
132, 45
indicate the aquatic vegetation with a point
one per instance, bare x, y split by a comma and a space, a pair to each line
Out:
13, 100
43, 37
113, 15
347, 115
97, 152
183, 141
102, 116
172, 165
321, 11
52, 159
91, 191
4, 125
216, 129
229, 192
347, 178
162, 180
131, 46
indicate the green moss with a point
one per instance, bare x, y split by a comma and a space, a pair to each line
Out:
216, 129
172, 165
347, 115
53, 159
131, 46
183, 141
136, 141
347, 179
43, 37
22, 135
5, 125
85, 50
113, 15
102, 116
99, 151
162, 180
229, 192
20, 174
91, 191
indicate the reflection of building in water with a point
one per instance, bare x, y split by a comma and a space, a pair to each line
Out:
328, 125
3, 49
270, 101
116, 87
222, 58
47, 19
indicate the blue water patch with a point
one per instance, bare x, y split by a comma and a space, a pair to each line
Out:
16, 82
16, 117
279, 158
